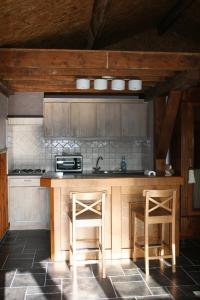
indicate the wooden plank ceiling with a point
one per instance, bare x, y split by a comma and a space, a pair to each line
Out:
57, 70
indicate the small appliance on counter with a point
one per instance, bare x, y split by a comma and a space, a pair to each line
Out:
69, 163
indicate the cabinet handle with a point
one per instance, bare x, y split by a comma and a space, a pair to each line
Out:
27, 180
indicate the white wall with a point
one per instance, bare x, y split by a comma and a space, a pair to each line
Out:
3, 116
26, 104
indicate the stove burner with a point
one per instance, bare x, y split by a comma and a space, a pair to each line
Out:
27, 171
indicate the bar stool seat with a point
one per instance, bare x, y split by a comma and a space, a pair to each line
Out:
88, 210
160, 208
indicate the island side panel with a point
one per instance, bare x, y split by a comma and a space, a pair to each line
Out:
116, 231
55, 214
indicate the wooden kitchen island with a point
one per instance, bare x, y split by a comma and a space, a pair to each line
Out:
121, 190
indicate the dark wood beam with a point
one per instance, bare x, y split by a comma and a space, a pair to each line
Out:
181, 81
5, 89
99, 13
168, 123
99, 60
41, 72
173, 14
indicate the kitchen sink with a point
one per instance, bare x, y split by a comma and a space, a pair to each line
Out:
118, 172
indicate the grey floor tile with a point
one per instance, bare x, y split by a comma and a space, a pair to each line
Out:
28, 280
195, 276
178, 278
162, 297
131, 271
55, 281
179, 294
45, 297
159, 291
3, 258
58, 270
112, 269
156, 278
6, 278
131, 289
93, 289
21, 256
14, 263
53, 289
31, 271
126, 278
12, 293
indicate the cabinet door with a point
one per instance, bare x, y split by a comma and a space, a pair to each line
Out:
57, 119
28, 208
83, 119
134, 119
108, 120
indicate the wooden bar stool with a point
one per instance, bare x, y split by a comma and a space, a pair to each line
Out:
88, 210
160, 208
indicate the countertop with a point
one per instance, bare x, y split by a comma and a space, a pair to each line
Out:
90, 174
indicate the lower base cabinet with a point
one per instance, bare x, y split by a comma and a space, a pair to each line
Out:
28, 204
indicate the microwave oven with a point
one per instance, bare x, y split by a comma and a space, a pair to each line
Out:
69, 163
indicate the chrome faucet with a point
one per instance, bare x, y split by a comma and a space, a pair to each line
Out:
97, 168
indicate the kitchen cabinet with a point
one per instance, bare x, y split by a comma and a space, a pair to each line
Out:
108, 120
95, 119
134, 119
3, 195
57, 119
83, 119
28, 204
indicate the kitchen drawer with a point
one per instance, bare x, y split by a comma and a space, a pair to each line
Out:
24, 181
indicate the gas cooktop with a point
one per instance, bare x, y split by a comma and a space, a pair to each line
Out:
24, 172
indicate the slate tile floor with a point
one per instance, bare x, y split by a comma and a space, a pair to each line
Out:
26, 273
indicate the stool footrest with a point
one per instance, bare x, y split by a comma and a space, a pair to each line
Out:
141, 246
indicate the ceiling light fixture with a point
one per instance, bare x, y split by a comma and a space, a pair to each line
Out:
82, 83
118, 84
135, 85
100, 84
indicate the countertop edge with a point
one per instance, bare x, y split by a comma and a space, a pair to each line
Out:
113, 181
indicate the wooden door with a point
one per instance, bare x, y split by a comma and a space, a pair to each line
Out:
108, 120
83, 119
134, 119
57, 119
3, 195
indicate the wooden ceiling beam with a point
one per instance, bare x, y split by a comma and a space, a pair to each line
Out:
99, 13
5, 89
168, 123
183, 80
115, 60
58, 85
173, 14
58, 78
51, 71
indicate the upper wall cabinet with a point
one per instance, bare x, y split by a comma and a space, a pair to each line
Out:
134, 119
108, 120
57, 119
83, 119
95, 119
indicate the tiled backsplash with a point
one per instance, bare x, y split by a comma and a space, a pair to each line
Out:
27, 148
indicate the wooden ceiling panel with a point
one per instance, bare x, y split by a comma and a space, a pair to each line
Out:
21, 21
128, 17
